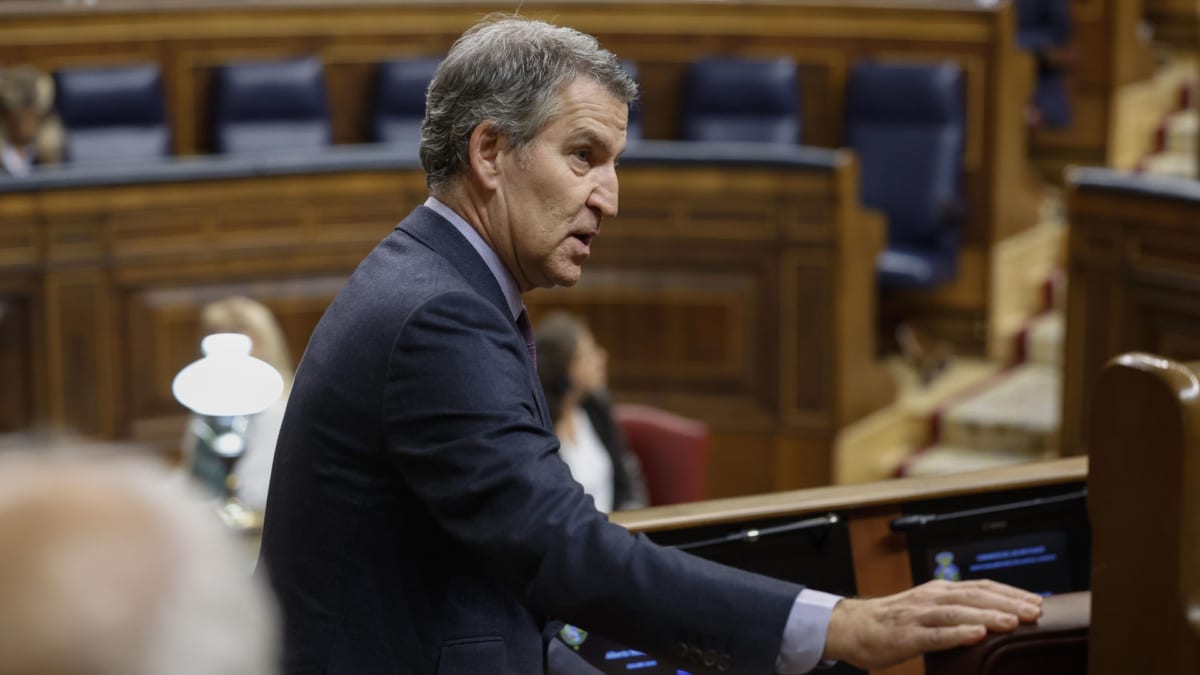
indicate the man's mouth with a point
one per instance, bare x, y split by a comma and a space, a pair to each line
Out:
584, 237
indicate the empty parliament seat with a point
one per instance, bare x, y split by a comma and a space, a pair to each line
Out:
673, 451
906, 123
743, 100
400, 87
270, 105
113, 113
1044, 29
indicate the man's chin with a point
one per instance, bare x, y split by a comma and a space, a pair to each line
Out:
566, 279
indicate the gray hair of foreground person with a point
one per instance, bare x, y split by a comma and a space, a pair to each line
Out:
508, 70
110, 566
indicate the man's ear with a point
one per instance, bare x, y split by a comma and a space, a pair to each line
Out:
484, 150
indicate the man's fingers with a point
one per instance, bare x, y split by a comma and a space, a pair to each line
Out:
946, 637
958, 615
1010, 591
1026, 606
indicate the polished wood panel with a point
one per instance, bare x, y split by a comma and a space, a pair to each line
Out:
747, 314
1134, 275
16, 363
189, 40
881, 566
1145, 433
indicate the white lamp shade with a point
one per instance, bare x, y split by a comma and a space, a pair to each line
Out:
227, 381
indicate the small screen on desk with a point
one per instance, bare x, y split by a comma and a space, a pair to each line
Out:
1038, 539
612, 658
1035, 561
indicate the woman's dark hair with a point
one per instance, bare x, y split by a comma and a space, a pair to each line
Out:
557, 336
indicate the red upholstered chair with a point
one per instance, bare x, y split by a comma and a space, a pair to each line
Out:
673, 451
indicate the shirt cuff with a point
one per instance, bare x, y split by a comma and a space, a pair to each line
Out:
805, 631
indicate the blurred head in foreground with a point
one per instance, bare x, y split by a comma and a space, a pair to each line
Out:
108, 566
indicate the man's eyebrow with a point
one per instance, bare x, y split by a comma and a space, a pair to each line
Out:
589, 137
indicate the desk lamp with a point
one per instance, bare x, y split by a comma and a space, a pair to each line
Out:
224, 388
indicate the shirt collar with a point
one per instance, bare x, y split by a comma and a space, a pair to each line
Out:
508, 285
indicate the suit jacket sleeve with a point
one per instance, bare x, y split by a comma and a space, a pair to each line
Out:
462, 427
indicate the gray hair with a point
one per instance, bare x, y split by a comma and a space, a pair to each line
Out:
114, 567
509, 71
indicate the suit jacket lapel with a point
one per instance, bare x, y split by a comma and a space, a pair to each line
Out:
435, 232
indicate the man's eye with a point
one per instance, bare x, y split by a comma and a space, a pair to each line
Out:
583, 155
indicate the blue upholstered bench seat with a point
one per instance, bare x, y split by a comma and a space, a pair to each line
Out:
388, 157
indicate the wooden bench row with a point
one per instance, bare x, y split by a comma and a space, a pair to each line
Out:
825, 37
754, 314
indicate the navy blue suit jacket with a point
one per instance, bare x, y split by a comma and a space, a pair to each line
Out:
419, 519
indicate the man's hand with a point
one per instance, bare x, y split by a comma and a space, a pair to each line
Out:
880, 632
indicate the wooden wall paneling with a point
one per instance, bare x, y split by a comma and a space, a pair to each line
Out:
826, 38
689, 291
16, 363
1093, 315
861, 385
23, 395
800, 460
163, 325
20, 236
82, 362
807, 346
131, 240
1133, 283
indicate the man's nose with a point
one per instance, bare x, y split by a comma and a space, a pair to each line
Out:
604, 195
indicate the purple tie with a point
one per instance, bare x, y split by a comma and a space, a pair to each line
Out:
527, 333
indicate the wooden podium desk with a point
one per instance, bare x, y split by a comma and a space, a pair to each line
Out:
878, 556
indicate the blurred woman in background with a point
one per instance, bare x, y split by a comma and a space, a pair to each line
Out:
573, 370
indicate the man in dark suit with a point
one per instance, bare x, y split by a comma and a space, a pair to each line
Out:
419, 520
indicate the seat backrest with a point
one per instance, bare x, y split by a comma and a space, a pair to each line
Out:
743, 100
112, 113
673, 452
1145, 437
1042, 24
400, 87
1056, 645
906, 123
270, 105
